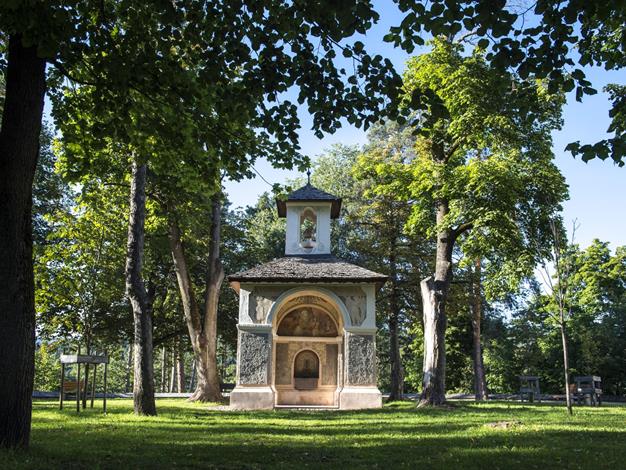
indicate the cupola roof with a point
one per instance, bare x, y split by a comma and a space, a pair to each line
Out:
309, 193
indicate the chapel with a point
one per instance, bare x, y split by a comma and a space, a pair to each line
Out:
307, 321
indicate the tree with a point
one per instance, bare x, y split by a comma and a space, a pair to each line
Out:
483, 178
140, 298
381, 239
480, 379
560, 297
548, 40
19, 145
202, 326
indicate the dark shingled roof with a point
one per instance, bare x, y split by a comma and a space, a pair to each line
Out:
309, 268
309, 193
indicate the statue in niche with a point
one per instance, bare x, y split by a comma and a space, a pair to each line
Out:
307, 322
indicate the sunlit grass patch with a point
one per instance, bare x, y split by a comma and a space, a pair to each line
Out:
187, 435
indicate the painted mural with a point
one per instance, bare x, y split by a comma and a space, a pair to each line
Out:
307, 321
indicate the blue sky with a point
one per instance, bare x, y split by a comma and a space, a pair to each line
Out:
597, 188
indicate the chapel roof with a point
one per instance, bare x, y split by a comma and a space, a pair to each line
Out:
326, 268
309, 193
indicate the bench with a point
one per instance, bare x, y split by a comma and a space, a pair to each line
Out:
529, 388
588, 389
72, 386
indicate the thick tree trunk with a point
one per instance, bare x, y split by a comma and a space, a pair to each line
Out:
208, 387
434, 296
480, 380
397, 376
202, 331
143, 387
19, 148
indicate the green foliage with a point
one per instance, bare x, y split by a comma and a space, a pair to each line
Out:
79, 272
522, 338
47, 367
548, 40
50, 193
483, 147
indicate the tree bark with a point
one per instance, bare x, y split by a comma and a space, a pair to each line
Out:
397, 376
568, 392
180, 367
143, 387
434, 291
86, 387
19, 149
163, 369
480, 380
202, 329
561, 282
172, 387
129, 366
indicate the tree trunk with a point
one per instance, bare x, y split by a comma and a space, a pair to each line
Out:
180, 367
163, 369
129, 365
86, 387
143, 387
480, 380
434, 291
19, 148
202, 331
192, 380
562, 280
568, 393
172, 387
397, 376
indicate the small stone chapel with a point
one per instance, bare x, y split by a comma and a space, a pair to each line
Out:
307, 321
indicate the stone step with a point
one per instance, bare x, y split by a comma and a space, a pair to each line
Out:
306, 407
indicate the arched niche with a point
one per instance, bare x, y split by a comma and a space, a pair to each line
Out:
308, 228
306, 370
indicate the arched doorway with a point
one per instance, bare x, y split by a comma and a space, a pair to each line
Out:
308, 344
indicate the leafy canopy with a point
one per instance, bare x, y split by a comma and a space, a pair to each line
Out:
483, 148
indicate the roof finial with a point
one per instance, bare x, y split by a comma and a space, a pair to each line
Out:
308, 175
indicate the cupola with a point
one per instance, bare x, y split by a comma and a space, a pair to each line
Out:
308, 211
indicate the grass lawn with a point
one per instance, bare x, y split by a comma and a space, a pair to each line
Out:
187, 435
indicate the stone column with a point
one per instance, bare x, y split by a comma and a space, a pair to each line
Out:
254, 370
360, 390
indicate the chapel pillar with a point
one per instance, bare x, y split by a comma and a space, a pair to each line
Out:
360, 389
254, 370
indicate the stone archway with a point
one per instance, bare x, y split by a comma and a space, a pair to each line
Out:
308, 351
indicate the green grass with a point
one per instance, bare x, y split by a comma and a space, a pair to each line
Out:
187, 435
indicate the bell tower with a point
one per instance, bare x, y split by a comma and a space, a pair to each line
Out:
308, 211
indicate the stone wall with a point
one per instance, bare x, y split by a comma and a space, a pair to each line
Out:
360, 360
255, 353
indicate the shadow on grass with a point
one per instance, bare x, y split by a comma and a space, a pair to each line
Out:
399, 435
